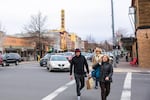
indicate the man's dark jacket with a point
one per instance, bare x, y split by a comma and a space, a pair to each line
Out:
78, 62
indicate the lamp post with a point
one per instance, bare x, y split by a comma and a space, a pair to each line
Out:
112, 17
113, 34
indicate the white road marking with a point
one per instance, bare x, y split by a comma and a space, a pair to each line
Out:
126, 93
58, 91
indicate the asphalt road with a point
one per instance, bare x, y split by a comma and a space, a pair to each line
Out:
29, 81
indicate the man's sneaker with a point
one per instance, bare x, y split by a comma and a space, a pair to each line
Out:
78, 97
96, 87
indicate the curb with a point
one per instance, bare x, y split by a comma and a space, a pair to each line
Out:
27, 62
131, 70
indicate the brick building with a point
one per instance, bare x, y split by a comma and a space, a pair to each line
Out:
19, 45
141, 47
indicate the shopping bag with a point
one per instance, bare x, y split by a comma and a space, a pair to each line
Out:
89, 83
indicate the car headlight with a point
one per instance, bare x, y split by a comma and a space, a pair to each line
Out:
68, 64
53, 64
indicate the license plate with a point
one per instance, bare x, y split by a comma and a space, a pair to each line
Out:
44, 63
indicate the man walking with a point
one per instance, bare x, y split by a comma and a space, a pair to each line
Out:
78, 63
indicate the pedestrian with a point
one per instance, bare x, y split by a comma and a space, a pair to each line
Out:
96, 62
106, 77
38, 58
127, 57
78, 64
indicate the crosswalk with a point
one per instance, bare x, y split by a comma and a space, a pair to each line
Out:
126, 85
121, 89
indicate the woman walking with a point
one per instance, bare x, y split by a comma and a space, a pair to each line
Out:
105, 77
96, 62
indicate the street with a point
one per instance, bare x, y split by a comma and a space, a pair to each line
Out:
29, 81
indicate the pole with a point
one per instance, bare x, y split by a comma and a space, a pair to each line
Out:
113, 31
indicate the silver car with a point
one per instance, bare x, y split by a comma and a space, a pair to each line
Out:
58, 63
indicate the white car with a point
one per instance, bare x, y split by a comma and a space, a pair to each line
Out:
58, 63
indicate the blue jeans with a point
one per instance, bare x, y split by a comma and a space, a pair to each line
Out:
96, 82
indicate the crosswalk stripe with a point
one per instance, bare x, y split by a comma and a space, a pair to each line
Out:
58, 91
126, 93
55, 93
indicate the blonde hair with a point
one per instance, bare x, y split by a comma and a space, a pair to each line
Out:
98, 49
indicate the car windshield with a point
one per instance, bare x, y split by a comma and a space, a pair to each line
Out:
47, 56
68, 54
58, 58
84, 53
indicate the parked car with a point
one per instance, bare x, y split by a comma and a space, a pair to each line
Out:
112, 59
1, 60
69, 55
43, 61
87, 55
58, 63
9, 58
90, 57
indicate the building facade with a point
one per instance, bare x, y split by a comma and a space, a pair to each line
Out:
141, 47
18, 45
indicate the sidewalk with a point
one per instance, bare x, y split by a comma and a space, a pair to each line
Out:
124, 66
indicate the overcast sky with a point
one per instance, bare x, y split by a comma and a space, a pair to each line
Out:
84, 17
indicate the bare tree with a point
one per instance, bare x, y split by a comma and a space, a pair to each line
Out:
36, 29
107, 46
90, 39
37, 24
121, 32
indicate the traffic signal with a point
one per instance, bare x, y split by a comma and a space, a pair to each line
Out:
116, 46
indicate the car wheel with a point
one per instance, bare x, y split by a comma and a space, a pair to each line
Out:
41, 65
17, 62
49, 68
4, 63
